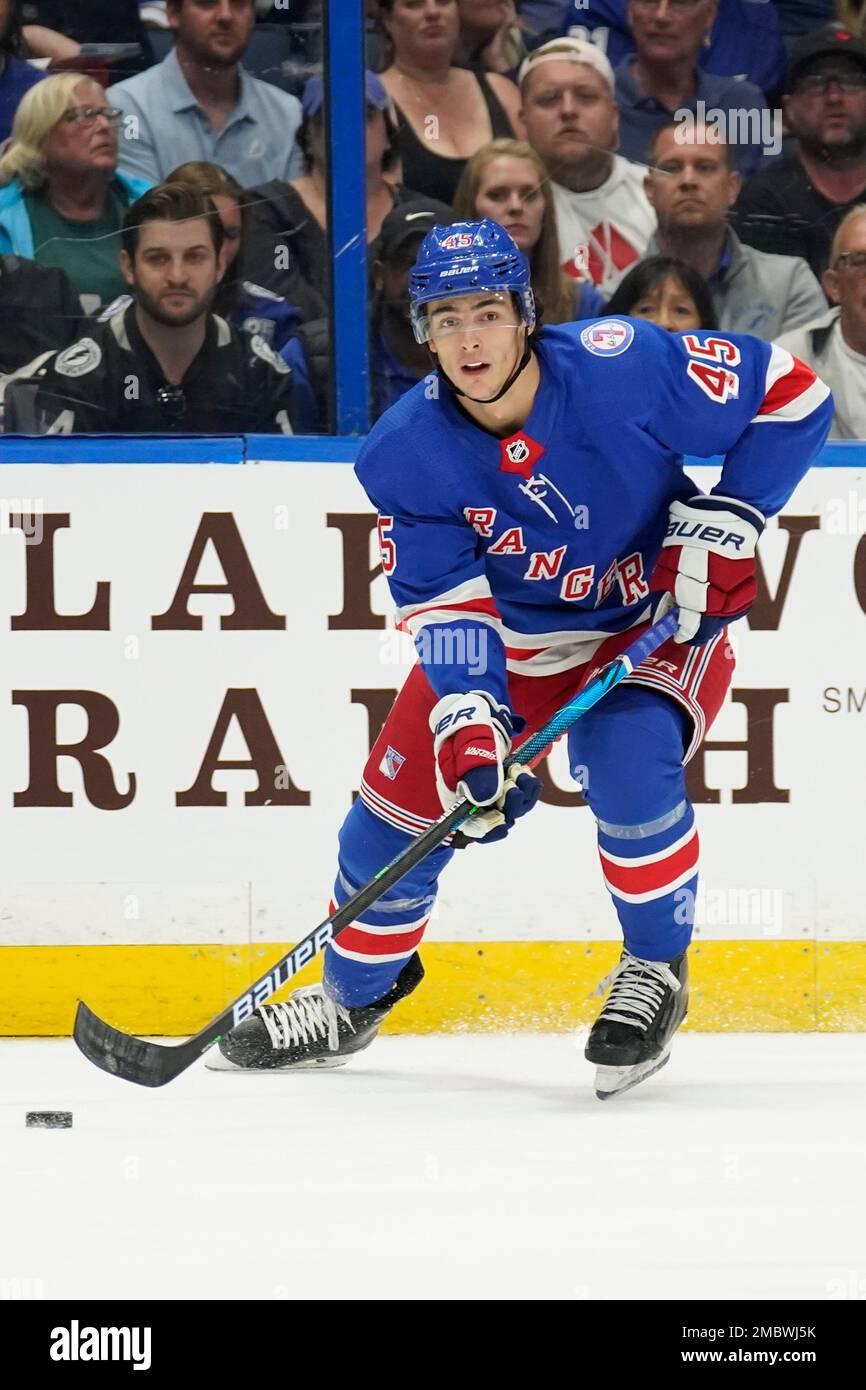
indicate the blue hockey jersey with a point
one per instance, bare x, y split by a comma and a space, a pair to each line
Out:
534, 548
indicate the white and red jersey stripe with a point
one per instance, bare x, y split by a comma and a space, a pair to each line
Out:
792, 391
472, 599
650, 876
531, 654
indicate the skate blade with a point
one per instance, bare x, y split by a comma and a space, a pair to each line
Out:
215, 1061
612, 1081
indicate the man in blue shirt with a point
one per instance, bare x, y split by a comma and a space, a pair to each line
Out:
663, 79
744, 40
16, 76
200, 104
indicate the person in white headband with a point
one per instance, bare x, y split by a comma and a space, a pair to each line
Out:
602, 214
567, 50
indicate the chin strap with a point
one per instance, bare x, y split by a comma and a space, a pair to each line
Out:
489, 400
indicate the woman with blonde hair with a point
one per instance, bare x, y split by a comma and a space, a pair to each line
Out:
507, 181
62, 199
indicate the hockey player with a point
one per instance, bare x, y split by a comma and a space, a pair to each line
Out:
526, 514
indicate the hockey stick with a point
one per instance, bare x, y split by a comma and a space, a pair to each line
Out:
154, 1064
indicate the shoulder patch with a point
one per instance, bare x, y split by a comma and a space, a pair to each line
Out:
260, 292
267, 354
79, 359
607, 337
116, 306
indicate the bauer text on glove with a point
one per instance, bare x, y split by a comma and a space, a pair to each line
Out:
707, 564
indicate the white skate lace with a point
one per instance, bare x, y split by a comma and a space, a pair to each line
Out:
307, 1016
637, 986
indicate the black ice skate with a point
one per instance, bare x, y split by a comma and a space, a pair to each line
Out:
309, 1029
631, 1038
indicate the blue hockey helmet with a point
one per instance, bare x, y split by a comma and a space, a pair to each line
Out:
463, 257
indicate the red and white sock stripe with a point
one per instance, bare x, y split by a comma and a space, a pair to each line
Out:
374, 945
651, 876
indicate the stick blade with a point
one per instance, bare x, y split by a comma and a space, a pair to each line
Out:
125, 1056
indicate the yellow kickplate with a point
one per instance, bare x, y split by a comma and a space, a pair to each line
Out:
736, 986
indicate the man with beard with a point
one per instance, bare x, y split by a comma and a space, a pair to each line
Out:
200, 104
166, 364
794, 206
603, 217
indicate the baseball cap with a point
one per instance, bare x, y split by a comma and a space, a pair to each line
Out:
832, 39
567, 50
408, 220
314, 94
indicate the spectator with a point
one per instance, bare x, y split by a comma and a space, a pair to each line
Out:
602, 214
167, 364
200, 104
835, 343
288, 221
397, 361
63, 201
663, 77
247, 305
16, 76
795, 206
692, 185
666, 291
507, 182
744, 39
444, 113
490, 36
39, 311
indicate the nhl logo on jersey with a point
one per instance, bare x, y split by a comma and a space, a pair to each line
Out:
519, 454
517, 451
607, 338
391, 763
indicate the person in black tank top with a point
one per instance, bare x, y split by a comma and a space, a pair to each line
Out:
437, 175
426, 88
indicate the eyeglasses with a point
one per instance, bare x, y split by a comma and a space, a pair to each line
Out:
852, 260
678, 6
89, 115
817, 83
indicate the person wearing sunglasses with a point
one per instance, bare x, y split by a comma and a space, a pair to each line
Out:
62, 199
794, 206
834, 344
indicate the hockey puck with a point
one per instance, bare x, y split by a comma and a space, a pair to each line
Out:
48, 1119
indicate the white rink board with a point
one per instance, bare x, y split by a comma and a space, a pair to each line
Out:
153, 872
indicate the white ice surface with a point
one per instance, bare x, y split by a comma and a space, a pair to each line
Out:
444, 1167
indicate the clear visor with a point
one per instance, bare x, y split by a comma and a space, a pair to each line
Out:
466, 314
